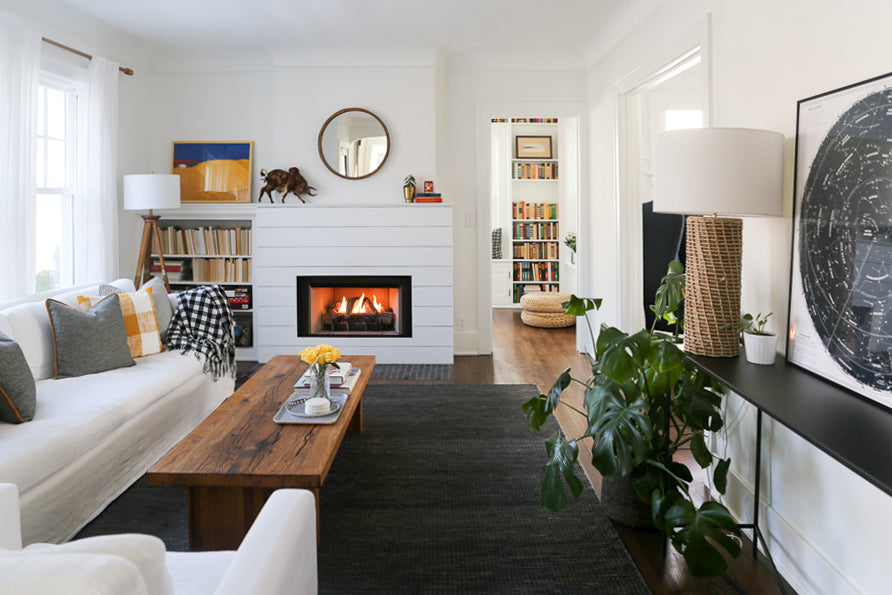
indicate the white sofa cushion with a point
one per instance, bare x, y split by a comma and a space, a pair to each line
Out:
147, 552
25, 573
74, 414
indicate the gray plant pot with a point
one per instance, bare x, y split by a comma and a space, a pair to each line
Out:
621, 503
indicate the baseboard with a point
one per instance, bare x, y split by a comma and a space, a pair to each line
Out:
466, 343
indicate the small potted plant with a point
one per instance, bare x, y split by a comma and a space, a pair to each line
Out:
409, 188
760, 345
570, 242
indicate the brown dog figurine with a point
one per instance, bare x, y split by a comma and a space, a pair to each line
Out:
285, 182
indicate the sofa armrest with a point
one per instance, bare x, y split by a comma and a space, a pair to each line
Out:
10, 517
278, 555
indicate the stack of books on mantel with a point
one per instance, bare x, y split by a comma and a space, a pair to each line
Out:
343, 378
428, 197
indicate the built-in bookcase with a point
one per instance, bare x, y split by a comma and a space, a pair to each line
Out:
200, 249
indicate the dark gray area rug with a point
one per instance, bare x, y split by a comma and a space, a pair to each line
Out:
438, 494
156, 510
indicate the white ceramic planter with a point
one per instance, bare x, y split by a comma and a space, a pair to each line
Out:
760, 349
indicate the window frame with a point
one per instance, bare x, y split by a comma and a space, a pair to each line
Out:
70, 79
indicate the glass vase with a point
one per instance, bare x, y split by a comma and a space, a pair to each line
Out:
320, 381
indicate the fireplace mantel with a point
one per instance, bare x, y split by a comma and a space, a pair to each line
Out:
318, 239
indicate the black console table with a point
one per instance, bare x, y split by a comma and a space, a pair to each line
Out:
853, 430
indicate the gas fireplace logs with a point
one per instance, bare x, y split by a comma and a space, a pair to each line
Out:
358, 314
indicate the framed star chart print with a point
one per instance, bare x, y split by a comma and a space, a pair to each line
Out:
841, 274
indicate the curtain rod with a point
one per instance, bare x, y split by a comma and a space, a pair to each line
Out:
125, 70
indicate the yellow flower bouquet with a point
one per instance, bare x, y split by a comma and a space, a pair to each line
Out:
320, 358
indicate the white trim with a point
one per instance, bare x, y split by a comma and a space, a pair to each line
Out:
691, 43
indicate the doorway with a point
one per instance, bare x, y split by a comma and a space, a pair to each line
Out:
671, 97
533, 207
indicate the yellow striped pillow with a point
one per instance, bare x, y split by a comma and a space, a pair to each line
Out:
140, 320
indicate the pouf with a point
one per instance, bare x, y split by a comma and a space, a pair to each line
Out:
544, 309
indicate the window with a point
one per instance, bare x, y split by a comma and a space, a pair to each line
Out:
57, 181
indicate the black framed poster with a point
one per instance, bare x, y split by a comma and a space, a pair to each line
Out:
840, 325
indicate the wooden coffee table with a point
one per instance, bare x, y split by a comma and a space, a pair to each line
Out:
238, 455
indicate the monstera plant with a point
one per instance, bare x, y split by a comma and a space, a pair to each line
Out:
644, 402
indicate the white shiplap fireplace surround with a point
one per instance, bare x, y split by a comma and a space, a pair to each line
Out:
293, 240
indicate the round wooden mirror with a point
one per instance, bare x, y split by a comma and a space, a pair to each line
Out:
354, 143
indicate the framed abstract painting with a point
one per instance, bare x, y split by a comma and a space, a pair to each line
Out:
840, 325
212, 172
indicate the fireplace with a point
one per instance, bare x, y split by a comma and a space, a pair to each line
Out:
354, 306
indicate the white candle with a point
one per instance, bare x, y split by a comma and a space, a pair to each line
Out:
317, 405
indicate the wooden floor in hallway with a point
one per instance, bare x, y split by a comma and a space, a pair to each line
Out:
528, 355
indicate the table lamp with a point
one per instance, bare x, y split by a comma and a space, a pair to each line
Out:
148, 192
718, 171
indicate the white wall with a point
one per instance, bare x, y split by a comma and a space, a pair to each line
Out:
401, 96
469, 88
829, 530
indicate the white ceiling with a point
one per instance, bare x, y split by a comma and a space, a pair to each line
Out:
429, 26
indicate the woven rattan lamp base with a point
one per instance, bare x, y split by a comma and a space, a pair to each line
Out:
712, 286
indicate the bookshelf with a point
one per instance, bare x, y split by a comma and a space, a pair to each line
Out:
535, 248
213, 251
534, 181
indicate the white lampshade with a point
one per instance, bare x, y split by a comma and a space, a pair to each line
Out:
151, 191
723, 171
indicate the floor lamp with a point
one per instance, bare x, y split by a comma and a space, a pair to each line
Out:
718, 171
148, 192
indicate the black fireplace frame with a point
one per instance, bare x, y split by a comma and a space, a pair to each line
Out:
403, 282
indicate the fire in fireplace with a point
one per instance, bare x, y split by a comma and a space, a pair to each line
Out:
358, 314
354, 305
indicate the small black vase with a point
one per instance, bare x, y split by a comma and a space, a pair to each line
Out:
622, 504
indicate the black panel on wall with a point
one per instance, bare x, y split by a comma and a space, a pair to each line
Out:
663, 241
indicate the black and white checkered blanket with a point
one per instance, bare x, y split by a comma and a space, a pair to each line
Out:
203, 324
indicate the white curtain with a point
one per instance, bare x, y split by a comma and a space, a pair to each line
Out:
96, 212
19, 80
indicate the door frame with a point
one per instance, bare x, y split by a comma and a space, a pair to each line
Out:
486, 111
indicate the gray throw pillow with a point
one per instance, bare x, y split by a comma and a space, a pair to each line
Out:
89, 342
163, 309
18, 393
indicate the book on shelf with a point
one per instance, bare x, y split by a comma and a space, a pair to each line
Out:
349, 375
527, 120
221, 270
428, 197
244, 329
535, 231
174, 269
207, 241
535, 171
239, 297
530, 210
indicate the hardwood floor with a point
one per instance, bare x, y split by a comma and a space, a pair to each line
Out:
527, 355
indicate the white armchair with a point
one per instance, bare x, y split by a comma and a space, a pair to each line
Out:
277, 556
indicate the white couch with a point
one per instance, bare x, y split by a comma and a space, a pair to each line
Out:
92, 436
277, 557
